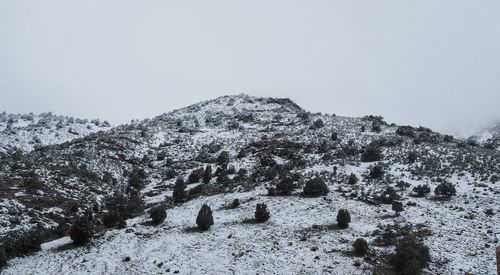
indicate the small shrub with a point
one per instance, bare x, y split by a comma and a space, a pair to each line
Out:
372, 153
231, 170
285, 186
261, 213
223, 158
111, 219
223, 179
315, 187
402, 185
157, 214
318, 123
360, 246
82, 229
343, 218
179, 193
448, 138
135, 204
205, 219
445, 190
397, 207
388, 196
406, 131
334, 136
267, 160
170, 174
377, 172
352, 179
3, 258
376, 127
412, 157
195, 176
242, 173
421, 190
235, 204
410, 256
136, 179
207, 174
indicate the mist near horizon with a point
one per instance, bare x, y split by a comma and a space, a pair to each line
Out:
434, 64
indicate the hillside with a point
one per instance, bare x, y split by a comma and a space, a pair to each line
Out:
489, 137
268, 142
25, 132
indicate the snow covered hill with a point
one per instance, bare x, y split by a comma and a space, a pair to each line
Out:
489, 137
25, 132
254, 147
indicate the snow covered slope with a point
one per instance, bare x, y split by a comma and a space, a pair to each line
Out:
490, 137
267, 140
23, 133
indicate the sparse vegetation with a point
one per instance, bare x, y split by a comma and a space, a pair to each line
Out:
410, 256
157, 214
179, 193
285, 186
421, 190
372, 153
315, 187
377, 172
205, 220
82, 229
397, 207
445, 190
352, 179
343, 218
261, 213
360, 246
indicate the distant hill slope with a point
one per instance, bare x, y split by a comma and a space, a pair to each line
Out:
252, 144
489, 137
24, 132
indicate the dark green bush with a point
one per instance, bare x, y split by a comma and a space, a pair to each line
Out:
377, 172
376, 127
343, 218
315, 187
412, 157
318, 123
82, 229
207, 174
196, 175
285, 186
112, 219
397, 207
205, 219
421, 190
352, 179
372, 153
410, 256
388, 196
360, 246
445, 190
223, 158
179, 193
3, 258
157, 214
261, 213
235, 204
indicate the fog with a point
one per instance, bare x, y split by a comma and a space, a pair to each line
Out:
430, 63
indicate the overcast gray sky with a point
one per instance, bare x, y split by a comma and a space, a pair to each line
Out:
426, 62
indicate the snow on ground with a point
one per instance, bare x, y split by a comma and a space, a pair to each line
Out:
25, 132
233, 247
229, 247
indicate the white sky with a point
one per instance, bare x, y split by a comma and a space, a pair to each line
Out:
427, 62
